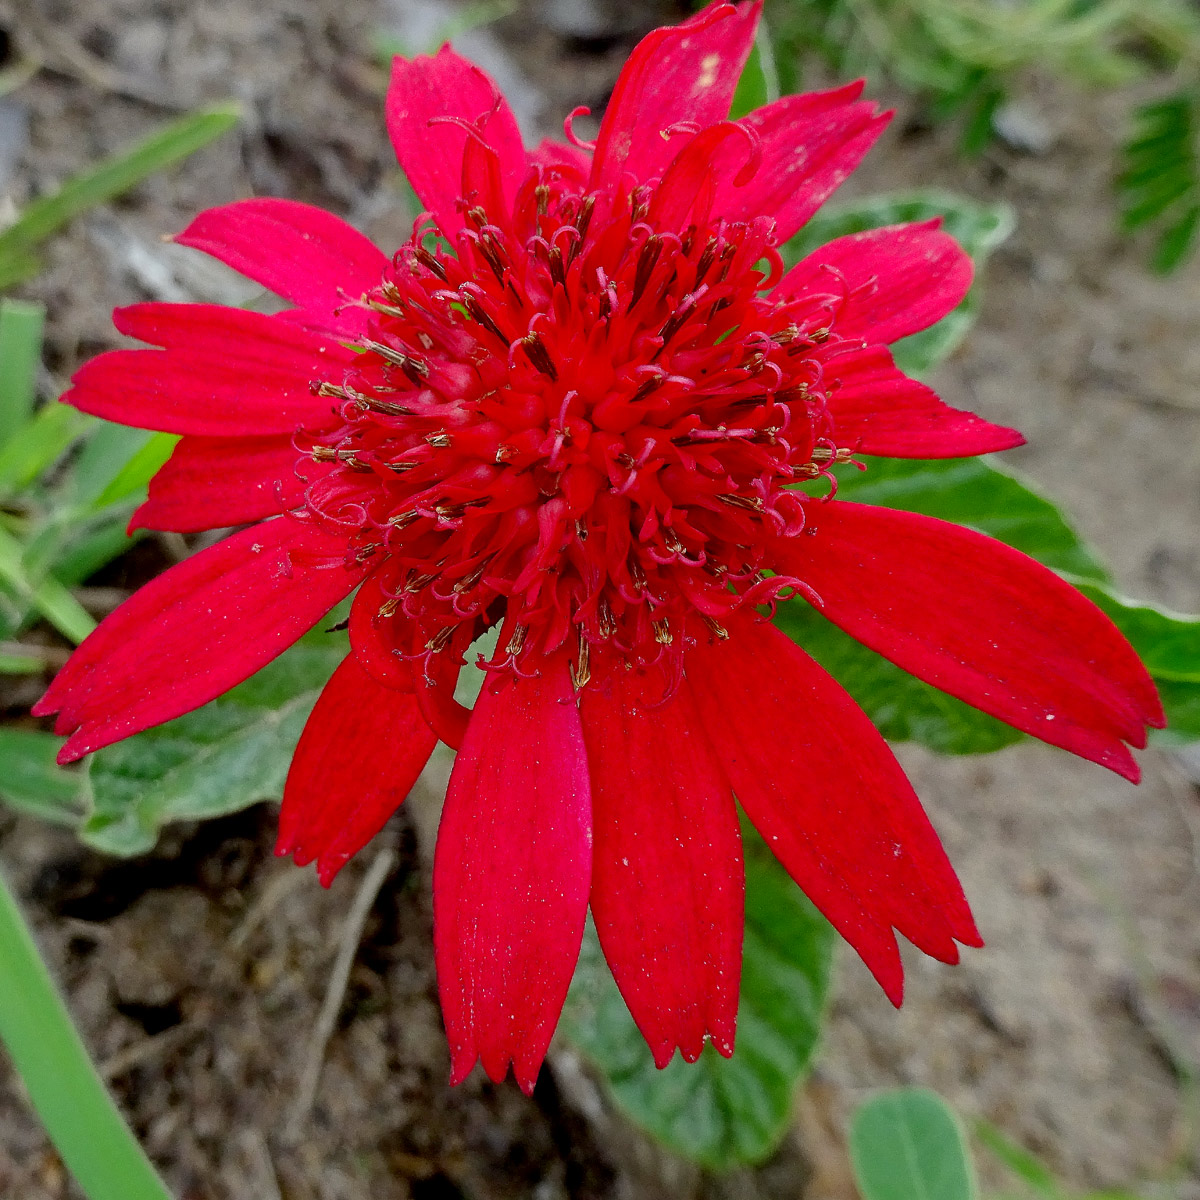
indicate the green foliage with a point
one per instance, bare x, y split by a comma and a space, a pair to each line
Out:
62, 1084
220, 759
979, 494
100, 183
963, 59
1160, 185
720, 1112
979, 228
908, 1144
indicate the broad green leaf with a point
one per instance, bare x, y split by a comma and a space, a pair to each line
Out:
221, 758
902, 708
20, 353
978, 493
908, 1144
33, 782
109, 178
979, 228
720, 1112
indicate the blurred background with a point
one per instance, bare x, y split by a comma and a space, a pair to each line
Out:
197, 972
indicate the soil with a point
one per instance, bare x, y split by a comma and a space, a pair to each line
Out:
197, 973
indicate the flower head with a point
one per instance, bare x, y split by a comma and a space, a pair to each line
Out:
579, 405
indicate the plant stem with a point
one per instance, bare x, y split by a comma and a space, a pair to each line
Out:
76, 1109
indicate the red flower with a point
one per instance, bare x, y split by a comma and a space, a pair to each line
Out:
582, 417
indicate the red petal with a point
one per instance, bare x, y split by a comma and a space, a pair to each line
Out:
568, 160
212, 483
372, 635
433, 686
360, 754
685, 73
223, 373
196, 631
883, 284
304, 254
511, 875
667, 882
810, 144
877, 409
981, 621
431, 150
828, 796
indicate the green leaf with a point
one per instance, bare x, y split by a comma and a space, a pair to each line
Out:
20, 354
1029, 1170
908, 1144
109, 178
137, 471
902, 708
1169, 645
221, 758
39, 445
720, 1112
978, 493
33, 782
43, 592
759, 83
979, 228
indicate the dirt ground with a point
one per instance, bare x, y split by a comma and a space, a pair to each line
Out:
197, 974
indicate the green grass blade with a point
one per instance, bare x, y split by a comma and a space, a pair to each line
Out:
20, 353
47, 594
39, 446
79, 1114
110, 178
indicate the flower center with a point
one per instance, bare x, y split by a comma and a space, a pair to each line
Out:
582, 423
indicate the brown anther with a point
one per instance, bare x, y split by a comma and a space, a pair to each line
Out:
491, 251
439, 440
441, 639
639, 205
558, 270
718, 630
323, 454
504, 453
477, 216
430, 262
581, 670
478, 313
467, 582
388, 310
516, 643
608, 623
365, 552
392, 292
707, 257
414, 583
662, 633
688, 240
750, 503
335, 391
538, 355
388, 608
414, 368
584, 220
581, 530
651, 384
638, 576
645, 267
542, 192
404, 519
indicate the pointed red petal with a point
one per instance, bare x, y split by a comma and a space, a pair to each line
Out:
981, 621
810, 145
877, 409
196, 631
304, 254
423, 93
222, 373
360, 754
828, 796
667, 879
883, 284
212, 483
372, 628
684, 73
511, 875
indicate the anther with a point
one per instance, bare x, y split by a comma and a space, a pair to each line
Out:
441, 639
388, 608
645, 266
581, 670
430, 262
516, 643
718, 630
750, 503
414, 368
439, 440
538, 355
662, 633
